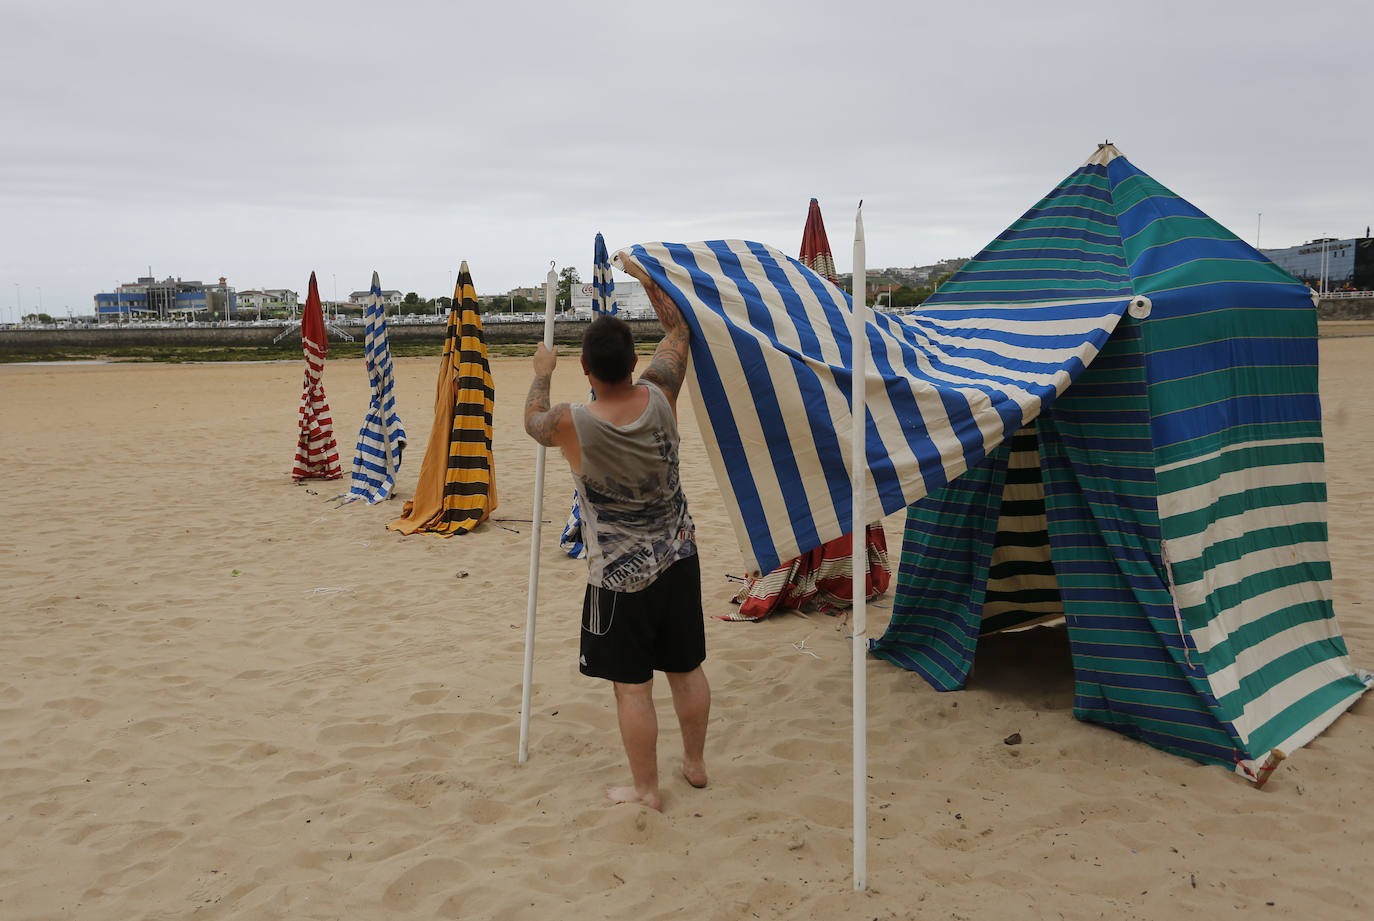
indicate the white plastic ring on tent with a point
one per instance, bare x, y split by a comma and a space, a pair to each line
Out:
1140, 307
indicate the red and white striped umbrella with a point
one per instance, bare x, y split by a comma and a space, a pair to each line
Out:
815, 248
317, 453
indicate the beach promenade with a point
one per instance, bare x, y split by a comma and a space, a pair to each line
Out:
226, 697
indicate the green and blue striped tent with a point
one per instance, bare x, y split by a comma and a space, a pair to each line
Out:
1170, 504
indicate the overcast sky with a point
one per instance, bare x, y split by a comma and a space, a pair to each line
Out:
262, 140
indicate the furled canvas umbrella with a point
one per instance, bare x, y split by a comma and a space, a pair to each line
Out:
457, 486
815, 248
317, 453
820, 577
382, 438
603, 301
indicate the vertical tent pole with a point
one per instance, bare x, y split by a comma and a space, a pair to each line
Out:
858, 470
550, 286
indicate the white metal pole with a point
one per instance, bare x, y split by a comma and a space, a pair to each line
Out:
858, 470
550, 287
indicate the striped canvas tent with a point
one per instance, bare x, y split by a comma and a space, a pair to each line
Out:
382, 438
1179, 461
457, 486
317, 453
1171, 504
603, 302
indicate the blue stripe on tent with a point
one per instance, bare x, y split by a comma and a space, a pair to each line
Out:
981, 274
1043, 233
1088, 258
1010, 296
1103, 217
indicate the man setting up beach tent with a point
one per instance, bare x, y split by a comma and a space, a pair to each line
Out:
1163, 376
457, 487
641, 610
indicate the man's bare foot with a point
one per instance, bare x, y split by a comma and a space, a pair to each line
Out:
695, 774
631, 795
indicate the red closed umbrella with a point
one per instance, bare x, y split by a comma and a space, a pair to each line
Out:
317, 453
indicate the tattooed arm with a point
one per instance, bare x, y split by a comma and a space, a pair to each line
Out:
550, 426
668, 367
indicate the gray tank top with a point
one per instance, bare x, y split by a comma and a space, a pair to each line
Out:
634, 515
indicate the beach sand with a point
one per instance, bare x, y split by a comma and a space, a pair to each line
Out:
224, 697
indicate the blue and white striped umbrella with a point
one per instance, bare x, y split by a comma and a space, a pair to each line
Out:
382, 438
770, 352
603, 301
603, 283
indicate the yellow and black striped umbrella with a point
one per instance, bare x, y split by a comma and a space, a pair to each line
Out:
457, 487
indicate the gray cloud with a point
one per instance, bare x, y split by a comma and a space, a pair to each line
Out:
262, 141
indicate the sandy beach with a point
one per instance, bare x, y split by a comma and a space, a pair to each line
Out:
223, 696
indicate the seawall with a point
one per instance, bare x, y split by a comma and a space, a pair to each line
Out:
115, 337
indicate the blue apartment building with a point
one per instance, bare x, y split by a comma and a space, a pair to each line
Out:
169, 299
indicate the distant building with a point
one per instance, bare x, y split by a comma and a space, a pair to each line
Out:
268, 299
389, 298
629, 297
1341, 263
171, 298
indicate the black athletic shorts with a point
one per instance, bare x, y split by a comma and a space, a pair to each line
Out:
627, 636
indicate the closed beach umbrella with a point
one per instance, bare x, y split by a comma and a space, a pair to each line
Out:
603, 283
815, 248
457, 487
382, 438
603, 301
317, 453
821, 577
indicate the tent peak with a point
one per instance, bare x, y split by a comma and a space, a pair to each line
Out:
1106, 153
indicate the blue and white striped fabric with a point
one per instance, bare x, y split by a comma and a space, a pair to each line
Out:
382, 438
571, 542
603, 282
603, 301
771, 359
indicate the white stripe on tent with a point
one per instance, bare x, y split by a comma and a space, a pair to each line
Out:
1231, 449
1314, 726
1217, 629
1232, 572
1204, 495
1253, 658
1260, 710
1190, 547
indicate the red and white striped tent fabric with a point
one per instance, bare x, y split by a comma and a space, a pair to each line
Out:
821, 578
317, 453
